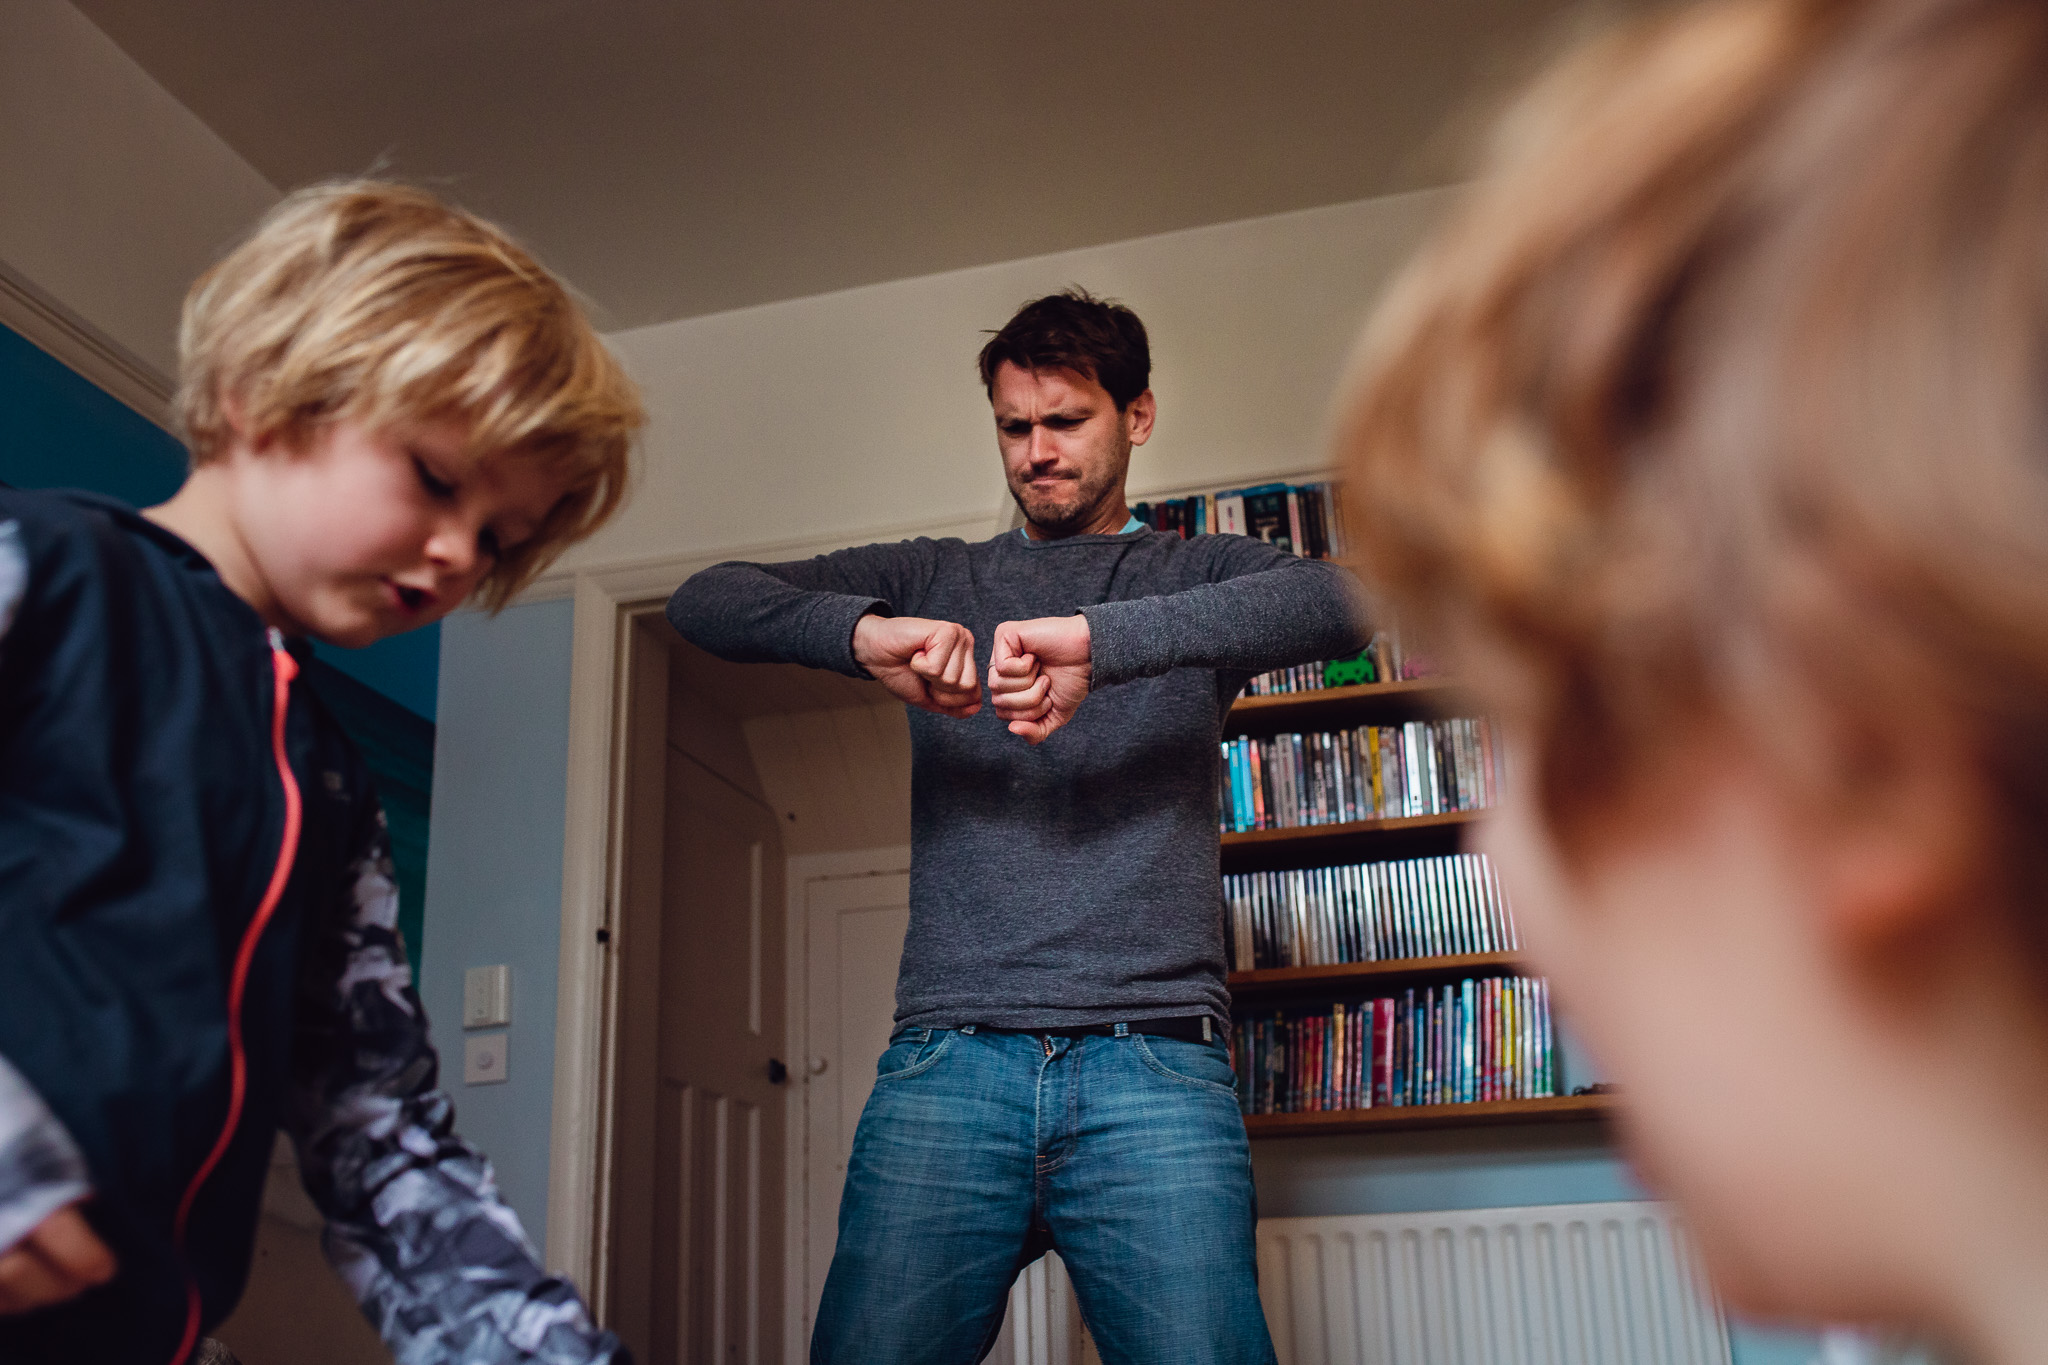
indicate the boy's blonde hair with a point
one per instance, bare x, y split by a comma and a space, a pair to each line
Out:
378, 303
1724, 399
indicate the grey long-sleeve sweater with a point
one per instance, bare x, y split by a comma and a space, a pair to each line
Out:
1074, 882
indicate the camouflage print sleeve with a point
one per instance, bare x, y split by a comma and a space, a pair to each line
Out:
415, 1227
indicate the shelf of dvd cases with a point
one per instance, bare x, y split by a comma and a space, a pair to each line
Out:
1483, 1114
1317, 846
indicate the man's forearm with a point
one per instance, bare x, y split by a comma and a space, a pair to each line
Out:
1296, 612
749, 614
802, 611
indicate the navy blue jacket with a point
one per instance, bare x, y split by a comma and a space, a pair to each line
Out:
141, 817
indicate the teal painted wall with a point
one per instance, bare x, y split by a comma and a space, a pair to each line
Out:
59, 430
405, 668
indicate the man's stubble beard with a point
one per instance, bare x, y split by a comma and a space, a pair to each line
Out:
1054, 522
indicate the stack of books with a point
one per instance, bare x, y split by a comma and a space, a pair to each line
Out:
1365, 912
1484, 1038
1304, 519
1373, 772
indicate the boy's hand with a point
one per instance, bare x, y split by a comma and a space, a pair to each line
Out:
1038, 673
929, 664
61, 1259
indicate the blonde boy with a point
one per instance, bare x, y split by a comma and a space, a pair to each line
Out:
1713, 434
391, 409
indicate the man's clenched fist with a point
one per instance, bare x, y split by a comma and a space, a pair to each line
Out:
929, 664
1038, 673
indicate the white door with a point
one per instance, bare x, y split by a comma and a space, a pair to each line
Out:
853, 941
718, 1220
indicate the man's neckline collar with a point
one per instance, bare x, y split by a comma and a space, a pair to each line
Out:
1130, 527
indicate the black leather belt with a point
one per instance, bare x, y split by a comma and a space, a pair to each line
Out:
1192, 1028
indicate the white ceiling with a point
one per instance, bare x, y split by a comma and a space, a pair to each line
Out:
684, 158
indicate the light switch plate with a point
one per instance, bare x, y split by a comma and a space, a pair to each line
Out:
487, 997
483, 1059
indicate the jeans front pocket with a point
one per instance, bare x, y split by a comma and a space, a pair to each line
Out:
1188, 1062
912, 1052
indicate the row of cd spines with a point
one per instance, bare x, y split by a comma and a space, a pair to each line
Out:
1371, 772
1477, 1040
1366, 912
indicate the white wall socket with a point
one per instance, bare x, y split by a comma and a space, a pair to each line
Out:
487, 997
483, 1059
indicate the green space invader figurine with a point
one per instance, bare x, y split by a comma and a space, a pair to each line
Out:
1350, 672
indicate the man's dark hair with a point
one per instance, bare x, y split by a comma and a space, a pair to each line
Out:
1073, 330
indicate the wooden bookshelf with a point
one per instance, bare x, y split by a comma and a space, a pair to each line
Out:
1431, 689
1307, 834
1395, 1119
1317, 845
1254, 992
1337, 978
1341, 707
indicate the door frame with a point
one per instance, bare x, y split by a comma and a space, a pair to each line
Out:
610, 608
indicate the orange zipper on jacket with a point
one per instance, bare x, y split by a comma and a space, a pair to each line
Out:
284, 668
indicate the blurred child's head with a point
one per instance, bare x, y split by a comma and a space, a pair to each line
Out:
1712, 436
364, 322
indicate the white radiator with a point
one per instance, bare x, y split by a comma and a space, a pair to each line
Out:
1043, 1326
1563, 1284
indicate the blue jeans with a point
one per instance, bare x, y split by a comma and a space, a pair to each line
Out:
979, 1151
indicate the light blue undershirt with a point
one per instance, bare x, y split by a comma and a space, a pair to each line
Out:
1132, 525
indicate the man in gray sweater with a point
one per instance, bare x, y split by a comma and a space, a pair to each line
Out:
1060, 1072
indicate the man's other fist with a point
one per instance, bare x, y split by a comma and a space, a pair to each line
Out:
1038, 673
928, 664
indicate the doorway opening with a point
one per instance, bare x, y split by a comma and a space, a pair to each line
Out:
732, 776
761, 893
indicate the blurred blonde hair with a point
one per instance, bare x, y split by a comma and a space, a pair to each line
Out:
379, 303
1724, 398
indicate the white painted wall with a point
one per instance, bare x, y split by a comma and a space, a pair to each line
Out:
848, 412
115, 195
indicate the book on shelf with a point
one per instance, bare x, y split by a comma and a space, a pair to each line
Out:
1365, 912
1382, 660
1305, 519
1481, 1039
1372, 772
